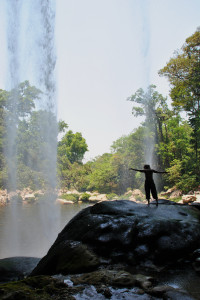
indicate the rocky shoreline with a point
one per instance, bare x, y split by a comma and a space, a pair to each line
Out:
28, 196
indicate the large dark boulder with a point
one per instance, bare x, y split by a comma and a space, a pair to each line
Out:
123, 231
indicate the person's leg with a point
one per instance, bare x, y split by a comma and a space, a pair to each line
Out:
154, 192
147, 191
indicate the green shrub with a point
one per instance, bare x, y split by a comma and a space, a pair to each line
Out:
125, 196
85, 197
70, 197
139, 198
177, 199
111, 196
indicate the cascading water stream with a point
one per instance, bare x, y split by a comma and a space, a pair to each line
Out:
145, 49
31, 56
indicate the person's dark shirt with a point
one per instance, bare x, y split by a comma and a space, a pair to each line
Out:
148, 174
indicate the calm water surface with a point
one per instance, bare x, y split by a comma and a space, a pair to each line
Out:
30, 230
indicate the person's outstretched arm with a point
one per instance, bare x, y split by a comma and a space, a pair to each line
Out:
137, 170
162, 172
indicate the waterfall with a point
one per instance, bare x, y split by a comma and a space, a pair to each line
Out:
31, 60
31, 56
145, 45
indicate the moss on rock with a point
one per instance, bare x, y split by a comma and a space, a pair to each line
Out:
34, 288
108, 277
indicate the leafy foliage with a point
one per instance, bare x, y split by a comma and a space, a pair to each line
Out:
73, 146
103, 175
34, 155
85, 197
112, 196
70, 197
183, 73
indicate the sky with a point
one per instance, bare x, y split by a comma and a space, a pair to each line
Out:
106, 50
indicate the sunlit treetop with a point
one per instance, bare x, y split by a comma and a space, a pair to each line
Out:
183, 73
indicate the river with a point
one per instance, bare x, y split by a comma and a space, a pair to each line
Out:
24, 231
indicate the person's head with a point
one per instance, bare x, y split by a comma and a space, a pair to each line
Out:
147, 167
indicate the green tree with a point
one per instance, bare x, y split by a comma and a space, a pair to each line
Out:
178, 154
36, 149
103, 176
129, 152
15, 105
153, 106
20, 101
70, 153
73, 176
183, 73
179, 140
62, 126
72, 146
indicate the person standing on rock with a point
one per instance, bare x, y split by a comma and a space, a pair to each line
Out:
149, 184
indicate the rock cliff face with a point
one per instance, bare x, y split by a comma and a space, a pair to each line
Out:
123, 232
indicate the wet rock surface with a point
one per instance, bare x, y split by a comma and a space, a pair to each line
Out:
126, 232
15, 268
119, 250
39, 287
99, 285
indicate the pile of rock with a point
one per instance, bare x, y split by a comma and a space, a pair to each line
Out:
93, 196
21, 196
60, 192
187, 199
172, 193
96, 197
4, 198
28, 196
193, 197
135, 195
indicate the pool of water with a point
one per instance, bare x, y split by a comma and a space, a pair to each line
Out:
30, 229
